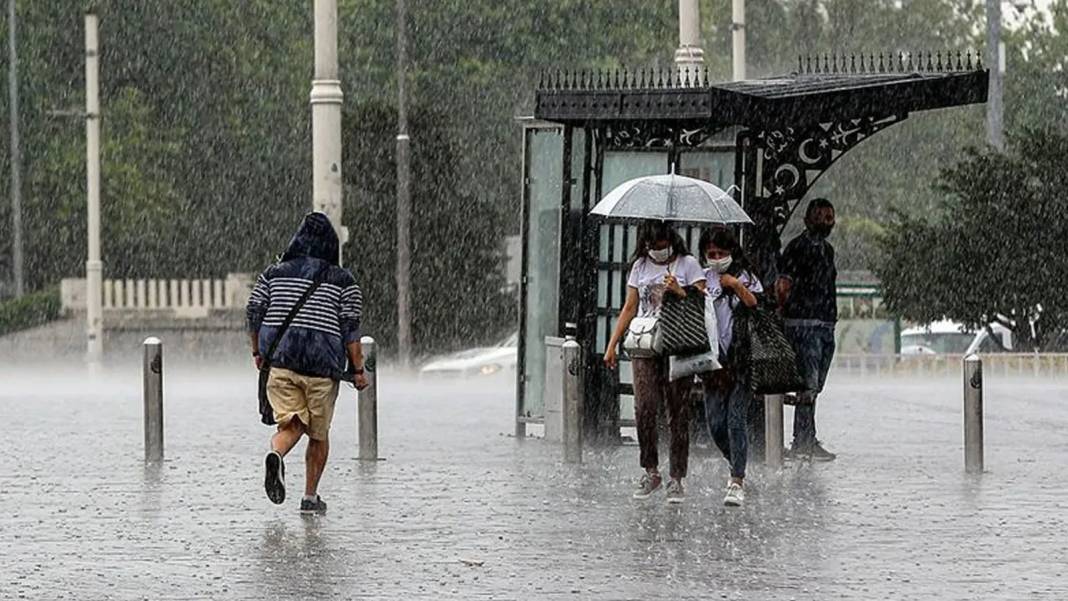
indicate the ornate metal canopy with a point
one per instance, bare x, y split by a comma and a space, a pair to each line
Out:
793, 127
830, 89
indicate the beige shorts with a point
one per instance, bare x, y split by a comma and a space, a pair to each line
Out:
308, 398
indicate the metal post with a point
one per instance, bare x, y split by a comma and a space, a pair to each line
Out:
738, 39
368, 403
773, 443
16, 152
326, 99
995, 107
572, 401
93, 266
690, 57
404, 196
973, 414
152, 371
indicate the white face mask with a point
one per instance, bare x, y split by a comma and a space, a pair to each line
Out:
720, 265
661, 256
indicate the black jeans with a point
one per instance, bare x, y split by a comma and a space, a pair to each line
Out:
814, 345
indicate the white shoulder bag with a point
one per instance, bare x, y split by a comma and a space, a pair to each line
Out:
643, 334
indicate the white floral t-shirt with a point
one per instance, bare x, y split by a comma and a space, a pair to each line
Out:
647, 277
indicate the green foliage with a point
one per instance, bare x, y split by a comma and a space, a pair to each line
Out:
207, 137
995, 246
456, 281
29, 311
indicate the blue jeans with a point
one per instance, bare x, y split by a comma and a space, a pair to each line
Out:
727, 412
814, 345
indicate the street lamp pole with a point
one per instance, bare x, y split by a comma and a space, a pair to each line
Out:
326, 99
93, 266
738, 39
995, 106
16, 153
690, 57
404, 196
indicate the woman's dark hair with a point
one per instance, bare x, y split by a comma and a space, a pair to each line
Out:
724, 238
655, 231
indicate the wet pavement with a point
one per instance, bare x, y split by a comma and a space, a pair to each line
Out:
459, 509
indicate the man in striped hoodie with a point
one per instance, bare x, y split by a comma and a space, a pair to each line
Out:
310, 358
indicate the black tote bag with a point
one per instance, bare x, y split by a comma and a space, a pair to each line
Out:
682, 324
768, 354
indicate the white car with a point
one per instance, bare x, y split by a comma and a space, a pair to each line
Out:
483, 361
949, 337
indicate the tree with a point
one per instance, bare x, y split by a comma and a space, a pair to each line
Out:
458, 289
995, 248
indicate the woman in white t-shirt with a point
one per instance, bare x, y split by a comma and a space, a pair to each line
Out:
727, 391
661, 265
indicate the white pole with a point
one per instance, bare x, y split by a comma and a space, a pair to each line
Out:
995, 106
572, 401
738, 39
367, 403
773, 436
690, 57
93, 266
152, 374
973, 414
404, 196
16, 152
326, 98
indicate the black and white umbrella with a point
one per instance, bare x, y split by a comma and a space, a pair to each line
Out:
670, 198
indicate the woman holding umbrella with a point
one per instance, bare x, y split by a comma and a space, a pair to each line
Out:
661, 265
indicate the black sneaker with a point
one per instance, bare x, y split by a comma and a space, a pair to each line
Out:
317, 506
812, 452
275, 480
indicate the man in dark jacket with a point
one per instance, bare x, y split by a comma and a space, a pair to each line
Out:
309, 360
808, 298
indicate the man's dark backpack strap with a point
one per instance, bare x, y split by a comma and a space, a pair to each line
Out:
266, 413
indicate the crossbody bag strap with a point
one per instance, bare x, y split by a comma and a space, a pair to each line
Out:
319, 277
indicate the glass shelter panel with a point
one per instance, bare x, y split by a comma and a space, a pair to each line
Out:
616, 245
544, 160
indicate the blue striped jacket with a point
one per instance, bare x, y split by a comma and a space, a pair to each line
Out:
314, 344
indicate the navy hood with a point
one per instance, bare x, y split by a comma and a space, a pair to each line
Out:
316, 238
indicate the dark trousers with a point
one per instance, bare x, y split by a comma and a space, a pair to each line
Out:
727, 399
651, 387
814, 346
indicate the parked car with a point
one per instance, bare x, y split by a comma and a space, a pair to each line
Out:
481, 361
950, 337
940, 337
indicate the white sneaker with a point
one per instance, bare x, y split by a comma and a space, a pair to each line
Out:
675, 493
735, 495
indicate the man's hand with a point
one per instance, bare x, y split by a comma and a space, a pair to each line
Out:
257, 360
783, 287
360, 381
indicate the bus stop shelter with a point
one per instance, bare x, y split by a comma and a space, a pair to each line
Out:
771, 138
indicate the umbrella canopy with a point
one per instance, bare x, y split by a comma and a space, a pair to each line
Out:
671, 198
